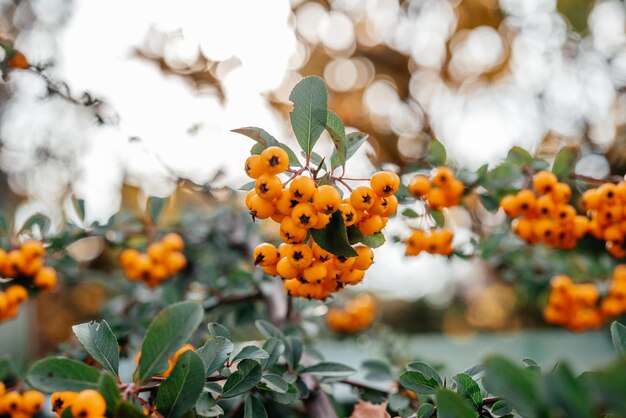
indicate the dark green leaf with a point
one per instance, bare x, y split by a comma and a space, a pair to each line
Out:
337, 132
107, 386
468, 389
451, 405
214, 353
213, 387
246, 377
293, 350
38, 219
57, 374
354, 140
565, 161
417, 382
334, 237
440, 220
426, 370
253, 408
261, 136
519, 156
171, 328
268, 329
310, 111
275, 348
531, 364
398, 402
563, 390
156, 205
329, 369
618, 335
437, 154
517, 386
410, 213
179, 392
275, 383
252, 352
289, 397
126, 410
376, 370
206, 406
502, 176
426, 410
100, 343
355, 236
218, 330
501, 408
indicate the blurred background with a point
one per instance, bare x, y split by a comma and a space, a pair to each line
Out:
171, 79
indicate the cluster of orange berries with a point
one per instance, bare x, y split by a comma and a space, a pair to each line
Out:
606, 207
162, 260
171, 362
309, 270
20, 405
23, 266
433, 241
580, 306
440, 190
85, 404
544, 215
357, 315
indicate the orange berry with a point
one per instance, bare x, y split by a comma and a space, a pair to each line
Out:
16, 294
523, 227
581, 226
454, 191
173, 242
442, 176
343, 263
128, 256
270, 270
348, 213
89, 403
286, 270
561, 193
362, 198
326, 199
254, 167
321, 254
608, 193
544, 181
260, 208
275, 160
46, 278
290, 232
31, 266
32, 401
385, 183
565, 213
249, 196
302, 189
304, 215
352, 276
315, 272
371, 225
527, 201
11, 402
31, 249
285, 203
365, 258
300, 256
510, 206
175, 262
322, 220
277, 217
591, 199
268, 186
545, 205
265, 255
13, 264
390, 209
436, 198
419, 185
156, 251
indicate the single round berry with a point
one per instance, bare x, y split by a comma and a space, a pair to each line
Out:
385, 183
254, 166
326, 199
362, 198
268, 186
275, 160
302, 188
265, 255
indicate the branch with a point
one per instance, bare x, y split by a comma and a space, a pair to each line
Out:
363, 386
588, 179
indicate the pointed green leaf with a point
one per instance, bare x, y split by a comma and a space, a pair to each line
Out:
426, 370
618, 335
214, 353
252, 352
451, 405
519, 156
169, 331
125, 410
275, 383
437, 154
107, 386
417, 382
246, 377
337, 132
57, 374
218, 330
268, 329
329, 369
100, 343
156, 205
206, 406
310, 111
468, 389
334, 237
565, 161
293, 350
260, 135
180, 390
563, 390
275, 348
426, 410
253, 408
354, 140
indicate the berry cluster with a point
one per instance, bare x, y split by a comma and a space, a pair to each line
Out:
544, 215
605, 206
440, 190
85, 404
24, 267
20, 405
357, 315
433, 241
310, 271
161, 261
171, 362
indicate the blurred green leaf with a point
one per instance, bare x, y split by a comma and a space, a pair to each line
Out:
437, 153
125, 410
376, 370
253, 408
275, 348
354, 140
519, 156
107, 386
180, 391
501, 408
618, 335
451, 405
564, 162
206, 406
218, 330
563, 390
426, 410
252, 352
329, 369
156, 205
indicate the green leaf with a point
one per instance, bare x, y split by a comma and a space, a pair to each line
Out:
246, 377
417, 382
531, 364
564, 391
214, 353
156, 205
427, 370
337, 132
410, 213
107, 386
251, 351
565, 161
293, 350
213, 387
373, 241
329, 369
206, 406
275, 348
218, 330
267, 329
100, 343
59, 374
519, 156
287, 398
261, 136
180, 391
502, 177
125, 410
171, 328
501, 408
517, 386
354, 140
248, 186
253, 408
618, 335
426, 410
438, 217
334, 237
38, 219
275, 383
310, 111
468, 389
451, 405
437, 154
376, 370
